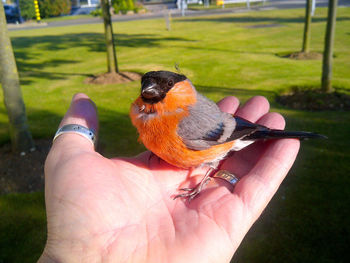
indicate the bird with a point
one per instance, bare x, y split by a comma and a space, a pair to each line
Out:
188, 130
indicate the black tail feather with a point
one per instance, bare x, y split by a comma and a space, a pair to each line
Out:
280, 134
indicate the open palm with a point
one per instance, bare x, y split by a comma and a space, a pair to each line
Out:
122, 209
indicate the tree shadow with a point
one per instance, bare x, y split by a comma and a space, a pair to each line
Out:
211, 48
260, 19
228, 91
93, 42
22, 227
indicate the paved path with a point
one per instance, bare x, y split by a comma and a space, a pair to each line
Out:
269, 5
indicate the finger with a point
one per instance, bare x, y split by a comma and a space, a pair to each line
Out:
272, 120
254, 108
229, 104
261, 183
82, 111
243, 161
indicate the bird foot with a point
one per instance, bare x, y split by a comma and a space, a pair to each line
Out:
192, 192
190, 195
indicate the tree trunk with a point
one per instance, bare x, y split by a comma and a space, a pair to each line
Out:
112, 63
326, 85
21, 137
307, 32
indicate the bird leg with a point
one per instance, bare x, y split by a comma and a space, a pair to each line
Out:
151, 156
193, 192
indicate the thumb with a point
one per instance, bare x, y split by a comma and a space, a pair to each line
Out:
82, 111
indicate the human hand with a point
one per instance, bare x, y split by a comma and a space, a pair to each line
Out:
122, 209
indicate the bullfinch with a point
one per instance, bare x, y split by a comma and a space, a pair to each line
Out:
186, 129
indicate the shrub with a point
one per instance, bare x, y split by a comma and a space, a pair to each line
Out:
123, 6
27, 9
138, 7
96, 12
50, 8
130, 5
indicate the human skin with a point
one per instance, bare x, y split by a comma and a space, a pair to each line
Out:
122, 209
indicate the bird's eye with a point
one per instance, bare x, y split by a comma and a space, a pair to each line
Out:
170, 83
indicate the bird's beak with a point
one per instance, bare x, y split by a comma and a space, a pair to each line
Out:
149, 91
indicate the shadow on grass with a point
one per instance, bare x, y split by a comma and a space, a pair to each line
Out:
27, 68
227, 91
22, 227
260, 19
211, 48
93, 42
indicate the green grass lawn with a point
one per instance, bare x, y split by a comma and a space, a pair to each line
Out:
222, 55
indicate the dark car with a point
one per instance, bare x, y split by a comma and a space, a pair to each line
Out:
12, 14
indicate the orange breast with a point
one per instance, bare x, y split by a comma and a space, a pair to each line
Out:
157, 125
